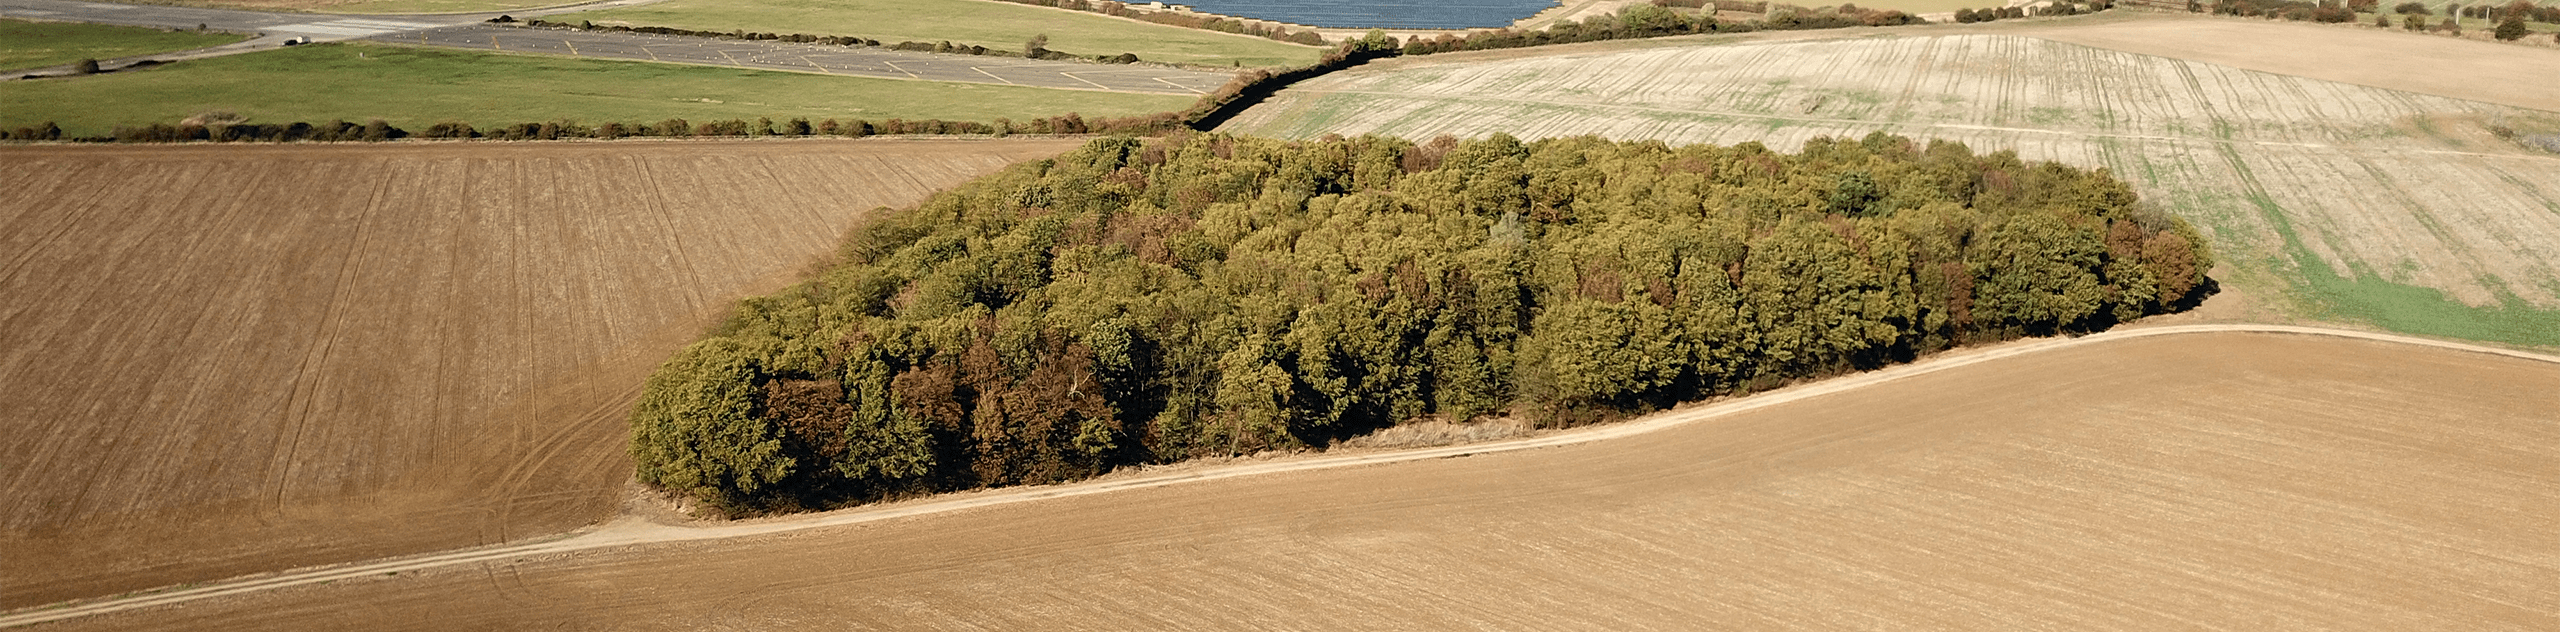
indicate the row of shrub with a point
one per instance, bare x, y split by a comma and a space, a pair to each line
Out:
1211, 108
1644, 20
2323, 11
342, 131
2511, 17
1104, 8
2521, 9
45, 131
1725, 6
1191, 21
1037, 48
1148, 301
1969, 16
234, 132
2538, 13
798, 38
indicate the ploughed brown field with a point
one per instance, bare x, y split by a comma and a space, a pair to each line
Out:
222, 360
2188, 481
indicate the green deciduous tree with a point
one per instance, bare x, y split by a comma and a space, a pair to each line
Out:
1141, 301
697, 428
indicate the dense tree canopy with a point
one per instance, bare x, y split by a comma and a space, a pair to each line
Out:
1152, 300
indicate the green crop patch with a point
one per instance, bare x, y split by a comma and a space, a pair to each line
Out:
964, 22
414, 88
39, 44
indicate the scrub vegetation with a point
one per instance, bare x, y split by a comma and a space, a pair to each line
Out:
1198, 295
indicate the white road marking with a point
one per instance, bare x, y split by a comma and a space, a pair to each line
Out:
354, 27
1071, 75
1178, 86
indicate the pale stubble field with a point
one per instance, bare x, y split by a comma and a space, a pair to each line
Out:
233, 359
2334, 200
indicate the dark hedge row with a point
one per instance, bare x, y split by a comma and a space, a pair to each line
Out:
342, 131
1038, 50
1146, 301
1185, 20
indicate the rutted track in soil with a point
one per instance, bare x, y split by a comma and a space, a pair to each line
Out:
227, 360
632, 533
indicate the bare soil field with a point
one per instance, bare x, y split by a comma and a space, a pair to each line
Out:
2347, 202
2185, 481
224, 360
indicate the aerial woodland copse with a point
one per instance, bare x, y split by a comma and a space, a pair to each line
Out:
1152, 300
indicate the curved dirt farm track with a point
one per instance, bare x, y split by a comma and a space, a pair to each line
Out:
2202, 477
225, 360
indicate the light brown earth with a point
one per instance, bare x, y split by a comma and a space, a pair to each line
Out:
2184, 481
2493, 72
217, 360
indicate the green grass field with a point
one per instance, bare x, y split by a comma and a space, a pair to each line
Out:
415, 87
976, 22
40, 44
363, 7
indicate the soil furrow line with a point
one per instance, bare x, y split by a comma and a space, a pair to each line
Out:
626, 533
314, 370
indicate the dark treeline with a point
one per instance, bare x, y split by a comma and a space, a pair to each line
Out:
2325, 11
1252, 86
2058, 9
1200, 21
1185, 20
377, 130
1147, 301
800, 38
2510, 17
1038, 50
44, 131
1244, 90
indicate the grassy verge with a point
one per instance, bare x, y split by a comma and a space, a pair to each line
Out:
415, 87
972, 22
2364, 296
38, 44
